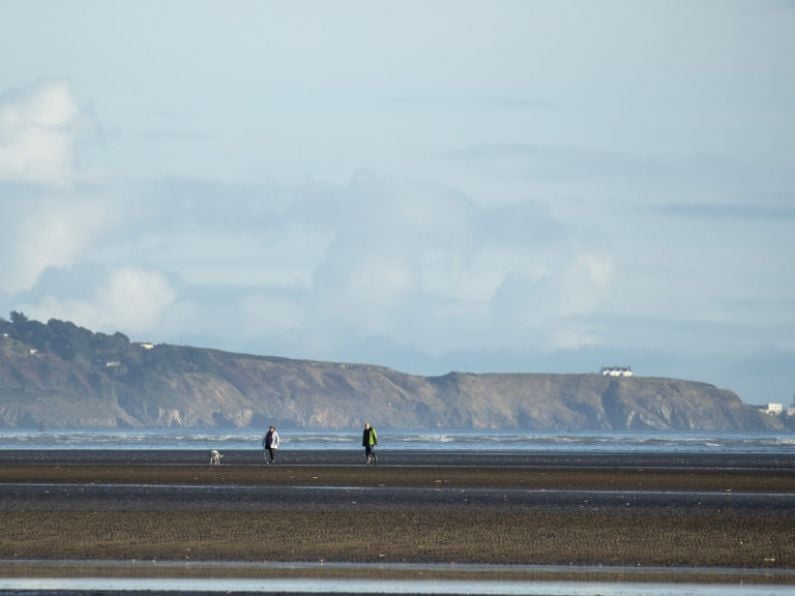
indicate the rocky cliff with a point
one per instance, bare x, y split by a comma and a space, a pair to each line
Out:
61, 375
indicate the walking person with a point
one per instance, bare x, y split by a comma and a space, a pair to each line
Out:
369, 441
271, 443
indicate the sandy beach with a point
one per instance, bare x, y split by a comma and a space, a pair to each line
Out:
617, 511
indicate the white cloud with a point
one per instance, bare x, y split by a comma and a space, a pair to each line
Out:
135, 298
130, 299
384, 256
272, 256
428, 267
546, 309
41, 233
37, 133
599, 267
585, 281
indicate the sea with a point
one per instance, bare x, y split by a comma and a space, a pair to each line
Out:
486, 441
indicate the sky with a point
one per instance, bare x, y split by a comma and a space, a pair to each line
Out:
502, 186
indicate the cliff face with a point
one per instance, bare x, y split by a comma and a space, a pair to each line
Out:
106, 381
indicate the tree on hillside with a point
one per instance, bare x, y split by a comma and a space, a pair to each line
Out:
69, 341
31, 332
18, 318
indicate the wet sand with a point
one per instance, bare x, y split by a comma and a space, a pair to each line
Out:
710, 515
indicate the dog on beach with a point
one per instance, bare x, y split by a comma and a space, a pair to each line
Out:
215, 458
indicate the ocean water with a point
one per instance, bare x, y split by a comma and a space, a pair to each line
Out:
490, 441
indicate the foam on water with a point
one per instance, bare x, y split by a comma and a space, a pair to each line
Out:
443, 440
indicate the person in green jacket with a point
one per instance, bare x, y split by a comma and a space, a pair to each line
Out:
369, 441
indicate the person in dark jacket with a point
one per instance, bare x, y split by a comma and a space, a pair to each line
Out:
271, 443
369, 441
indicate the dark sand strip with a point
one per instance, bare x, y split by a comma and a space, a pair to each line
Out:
407, 476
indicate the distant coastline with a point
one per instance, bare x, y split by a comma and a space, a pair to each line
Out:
59, 375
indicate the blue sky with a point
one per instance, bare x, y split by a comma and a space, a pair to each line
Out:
431, 186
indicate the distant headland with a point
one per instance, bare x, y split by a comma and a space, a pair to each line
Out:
65, 376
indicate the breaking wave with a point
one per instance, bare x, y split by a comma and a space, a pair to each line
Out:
391, 439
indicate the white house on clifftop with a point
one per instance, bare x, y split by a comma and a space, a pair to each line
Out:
617, 371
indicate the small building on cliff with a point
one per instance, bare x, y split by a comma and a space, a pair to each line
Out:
617, 371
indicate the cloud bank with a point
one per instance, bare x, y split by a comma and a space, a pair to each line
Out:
380, 257
37, 125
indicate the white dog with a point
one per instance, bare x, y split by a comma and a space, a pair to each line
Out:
215, 458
